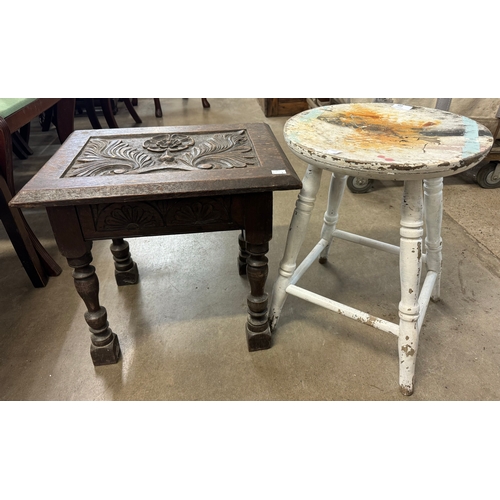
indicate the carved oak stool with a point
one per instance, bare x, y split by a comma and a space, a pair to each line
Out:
115, 184
417, 145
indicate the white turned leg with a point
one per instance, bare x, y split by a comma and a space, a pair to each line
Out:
296, 235
410, 266
337, 186
433, 203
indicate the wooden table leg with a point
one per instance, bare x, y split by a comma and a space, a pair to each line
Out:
16, 228
36, 260
158, 110
126, 272
258, 233
104, 348
65, 118
131, 110
91, 113
107, 110
243, 254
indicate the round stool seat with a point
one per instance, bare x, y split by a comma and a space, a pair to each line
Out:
387, 141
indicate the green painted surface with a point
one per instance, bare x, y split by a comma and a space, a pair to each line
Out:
9, 105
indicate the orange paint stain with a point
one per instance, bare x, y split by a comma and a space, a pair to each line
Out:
386, 129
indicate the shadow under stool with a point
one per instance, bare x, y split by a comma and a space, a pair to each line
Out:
416, 145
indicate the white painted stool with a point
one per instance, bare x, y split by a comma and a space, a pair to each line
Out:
417, 145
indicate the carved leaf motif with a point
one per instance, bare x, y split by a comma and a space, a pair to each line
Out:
108, 158
220, 151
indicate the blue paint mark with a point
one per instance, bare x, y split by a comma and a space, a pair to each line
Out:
305, 116
312, 113
471, 146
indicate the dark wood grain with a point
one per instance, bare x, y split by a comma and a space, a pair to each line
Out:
230, 189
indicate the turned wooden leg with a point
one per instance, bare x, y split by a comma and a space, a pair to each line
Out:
133, 113
158, 110
91, 113
410, 266
17, 230
296, 236
258, 331
258, 224
105, 348
337, 186
433, 201
243, 255
107, 109
126, 272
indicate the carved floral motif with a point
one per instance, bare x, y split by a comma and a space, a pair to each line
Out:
169, 142
166, 152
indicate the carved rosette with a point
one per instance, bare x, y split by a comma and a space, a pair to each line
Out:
126, 156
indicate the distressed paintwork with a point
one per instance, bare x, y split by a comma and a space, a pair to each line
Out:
383, 141
417, 145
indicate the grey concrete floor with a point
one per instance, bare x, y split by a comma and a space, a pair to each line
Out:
182, 328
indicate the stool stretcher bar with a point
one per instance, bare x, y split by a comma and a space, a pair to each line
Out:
363, 240
306, 263
349, 312
369, 242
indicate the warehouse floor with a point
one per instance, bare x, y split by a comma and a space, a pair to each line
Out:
182, 328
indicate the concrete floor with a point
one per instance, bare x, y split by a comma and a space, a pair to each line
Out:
181, 328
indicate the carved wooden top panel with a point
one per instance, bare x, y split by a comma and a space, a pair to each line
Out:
160, 163
163, 152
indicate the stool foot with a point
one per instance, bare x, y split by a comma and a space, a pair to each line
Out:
407, 390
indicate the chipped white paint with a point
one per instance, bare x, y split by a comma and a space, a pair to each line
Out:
417, 145
379, 141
